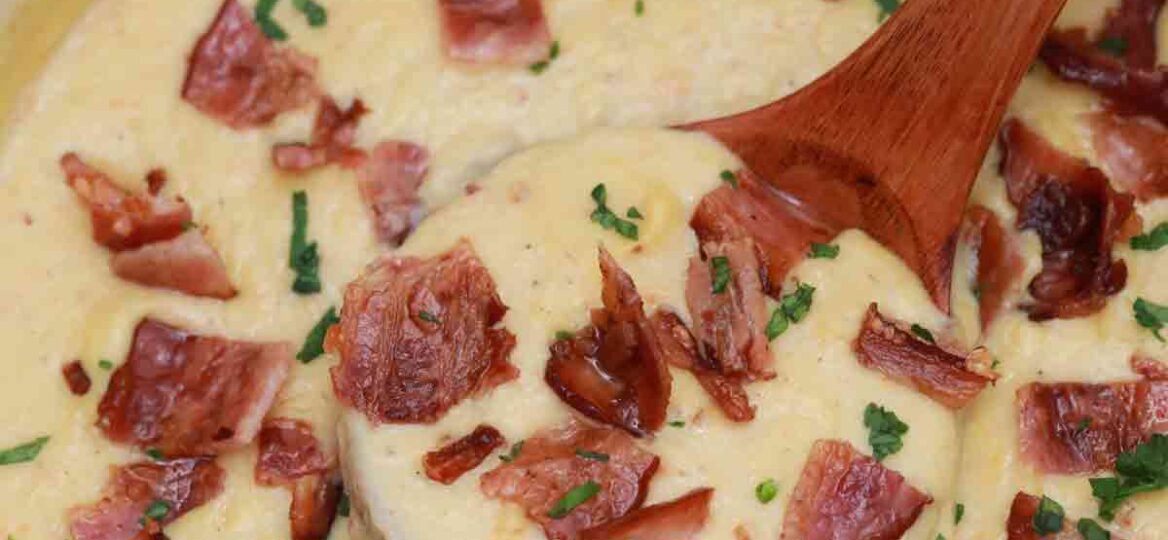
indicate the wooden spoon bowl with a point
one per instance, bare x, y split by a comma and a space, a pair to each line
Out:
891, 140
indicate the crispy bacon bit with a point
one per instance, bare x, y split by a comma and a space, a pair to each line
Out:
681, 350
1077, 216
548, 467
1134, 22
122, 220
186, 263
843, 494
905, 358
450, 462
1131, 89
332, 140
183, 485
418, 336
730, 325
288, 451
1083, 427
680, 519
1020, 524
494, 31
388, 181
1134, 152
614, 370
999, 262
76, 378
238, 77
314, 505
191, 395
1149, 368
754, 210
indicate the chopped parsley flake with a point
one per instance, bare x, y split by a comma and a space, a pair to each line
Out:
677, 423
887, 7
958, 513
1141, 470
302, 256
1091, 530
1152, 240
263, 17
563, 334
797, 304
155, 512
885, 431
105, 364
608, 220
573, 498
1083, 424
312, 11
729, 177
824, 251
542, 65
922, 332
1049, 517
314, 343
188, 225
1115, 46
639, 7
23, 453
429, 317
719, 274
1150, 315
633, 213
940, 537
777, 325
344, 506
594, 456
154, 453
512, 454
766, 491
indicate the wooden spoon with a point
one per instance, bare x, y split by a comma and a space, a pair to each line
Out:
891, 140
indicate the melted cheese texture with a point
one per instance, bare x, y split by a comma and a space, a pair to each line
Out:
111, 94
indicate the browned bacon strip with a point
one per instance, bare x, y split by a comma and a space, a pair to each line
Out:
680, 519
450, 462
1133, 151
235, 75
781, 233
943, 376
681, 350
76, 378
418, 336
1083, 427
290, 455
548, 467
388, 181
1077, 216
1020, 524
1149, 368
332, 140
185, 263
183, 485
494, 31
845, 495
999, 263
314, 505
730, 325
122, 220
191, 395
1131, 89
1134, 24
614, 371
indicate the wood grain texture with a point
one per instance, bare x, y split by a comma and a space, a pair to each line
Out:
891, 140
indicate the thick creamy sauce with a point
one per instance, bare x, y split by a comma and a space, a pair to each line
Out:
111, 94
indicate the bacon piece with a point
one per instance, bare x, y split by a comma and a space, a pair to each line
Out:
614, 370
332, 140
844, 495
235, 75
418, 336
909, 360
290, 455
1149, 368
122, 220
494, 31
388, 181
999, 262
681, 350
1134, 22
191, 395
76, 378
1020, 524
186, 263
450, 462
1083, 427
548, 467
1078, 217
781, 231
183, 485
314, 505
680, 519
1133, 151
731, 325
1131, 89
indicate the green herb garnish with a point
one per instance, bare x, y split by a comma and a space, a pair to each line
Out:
156, 512
429, 317
922, 332
1141, 470
188, 225
730, 178
1115, 46
263, 17
594, 456
512, 454
1150, 315
302, 256
1090, 530
314, 343
824, 251
542, 65
312, 11
639, 7
573, 498
344, 506
1049, 517
885, 431
605, 217
677, 423
887, 8
1083, 424
105, 364
1151, 240
633, 213
719, 274
958, 513
777, 325
766, 491
797, 304
155, 454
564, 334
23, 453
